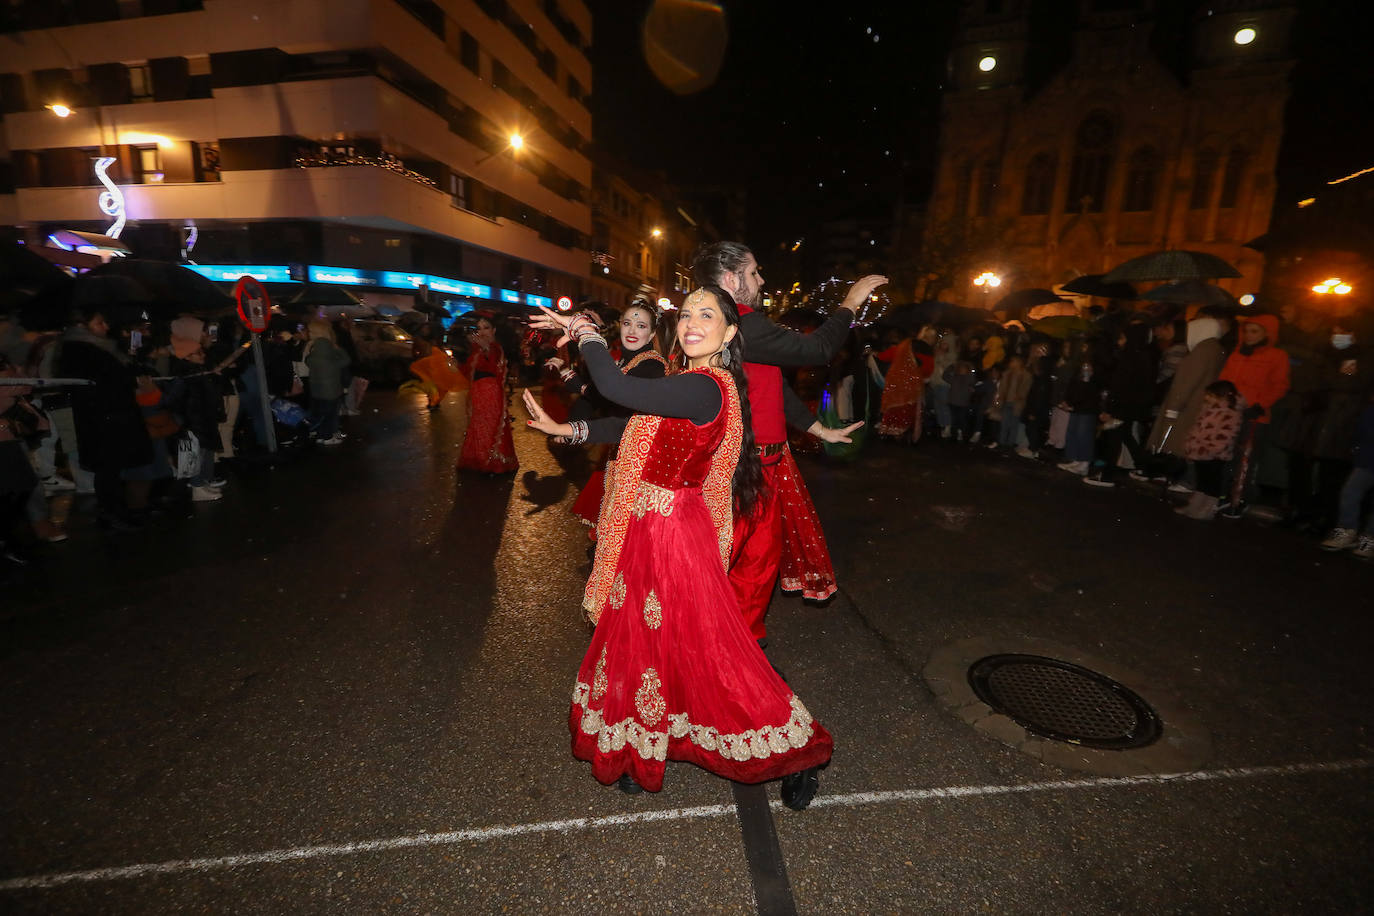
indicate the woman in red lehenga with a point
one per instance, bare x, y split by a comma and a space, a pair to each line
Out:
638, 357
911, 362
673, 672
487, 445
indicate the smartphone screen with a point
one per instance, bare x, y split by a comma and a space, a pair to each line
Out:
135, 341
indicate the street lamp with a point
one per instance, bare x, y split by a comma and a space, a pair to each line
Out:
514, 143
59, 109
988, 280
1333, 285
657, 233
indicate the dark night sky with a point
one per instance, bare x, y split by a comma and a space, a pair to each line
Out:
807, 97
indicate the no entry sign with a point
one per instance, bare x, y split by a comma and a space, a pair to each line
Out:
254, 304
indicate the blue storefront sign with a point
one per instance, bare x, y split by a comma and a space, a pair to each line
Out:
230, 273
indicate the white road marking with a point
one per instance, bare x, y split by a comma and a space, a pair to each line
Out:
483, 834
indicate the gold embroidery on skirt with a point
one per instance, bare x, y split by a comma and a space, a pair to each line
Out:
653, 745
599, 684
617, 597
653, 498
653, 611
648, 700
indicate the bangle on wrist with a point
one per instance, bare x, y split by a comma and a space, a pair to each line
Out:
580, 432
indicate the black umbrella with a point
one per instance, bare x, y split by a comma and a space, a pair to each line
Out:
1173, 264
1094, 285
1190, 292
38, 289
1025, 298
321, 295
170, 289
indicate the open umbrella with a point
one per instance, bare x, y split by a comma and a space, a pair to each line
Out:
35, 287
1094, 285
1051, 309
169, 289
1025, 299
1174, 264
1190, 292
1065, 326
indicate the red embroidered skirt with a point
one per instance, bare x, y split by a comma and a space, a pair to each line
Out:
488, 446
673, 673
805, 565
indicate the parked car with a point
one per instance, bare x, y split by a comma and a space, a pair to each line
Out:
384, 350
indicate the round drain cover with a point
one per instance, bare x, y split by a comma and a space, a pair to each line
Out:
1064, 702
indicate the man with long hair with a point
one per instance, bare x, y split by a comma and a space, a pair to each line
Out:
782, 535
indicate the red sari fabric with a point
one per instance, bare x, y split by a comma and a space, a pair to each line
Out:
487, 445
805, 566
903, 388
672, 672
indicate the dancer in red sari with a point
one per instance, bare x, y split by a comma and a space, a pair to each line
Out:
487, 445
672, 672
911, 362
638, 357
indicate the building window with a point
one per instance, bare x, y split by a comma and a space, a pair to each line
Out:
1039, 190
140, 84
468, 53
1094, 146
458, 190
963, 189
987, 187
1204, 175
574, 88
149, 163
1235, 173
1141, 180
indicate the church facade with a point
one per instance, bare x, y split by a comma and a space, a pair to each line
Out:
1118, 150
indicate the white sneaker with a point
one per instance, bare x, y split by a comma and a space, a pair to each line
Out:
1365, 549
1180, 487
1075, 467
1025, 452
944, 432
55, 484
333, 440
205, 494
973, 439
1340, 539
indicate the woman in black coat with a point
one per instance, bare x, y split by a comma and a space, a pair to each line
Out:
1130, 399
110, 433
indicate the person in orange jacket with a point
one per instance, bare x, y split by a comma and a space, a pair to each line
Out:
1259, 370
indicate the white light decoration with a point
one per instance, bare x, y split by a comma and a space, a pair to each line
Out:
1244, 36
987, 64
111, 200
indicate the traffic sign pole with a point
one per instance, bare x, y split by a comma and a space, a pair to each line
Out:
254, 308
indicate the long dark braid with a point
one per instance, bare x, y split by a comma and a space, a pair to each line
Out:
748, 481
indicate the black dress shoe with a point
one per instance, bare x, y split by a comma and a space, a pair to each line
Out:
798, 789
626, 783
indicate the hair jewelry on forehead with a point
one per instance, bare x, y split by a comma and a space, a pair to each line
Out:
696, 296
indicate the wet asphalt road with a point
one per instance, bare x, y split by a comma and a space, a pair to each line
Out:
360, 646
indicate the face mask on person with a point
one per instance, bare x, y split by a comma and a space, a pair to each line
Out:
1342, 341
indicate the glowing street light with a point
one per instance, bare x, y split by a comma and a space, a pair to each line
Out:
1333, 285
657, 233
987, 279
59, 109
987, 64
1244, 36
516, 141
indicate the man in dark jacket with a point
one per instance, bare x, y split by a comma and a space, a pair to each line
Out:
770, 542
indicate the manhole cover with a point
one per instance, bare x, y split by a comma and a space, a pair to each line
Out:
1064, 702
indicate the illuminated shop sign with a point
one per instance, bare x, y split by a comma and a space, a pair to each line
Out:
458, 287
397, 280
536, 301
346, 275
230, 273
510, 295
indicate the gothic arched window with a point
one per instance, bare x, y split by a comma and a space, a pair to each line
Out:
1204, 177
987, 187
1142, 179
1039, 188
1094, 146
963, 189
1235, 173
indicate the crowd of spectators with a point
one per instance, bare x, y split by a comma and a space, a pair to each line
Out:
1226, 410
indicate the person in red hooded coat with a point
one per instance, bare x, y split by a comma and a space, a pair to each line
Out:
1259, 370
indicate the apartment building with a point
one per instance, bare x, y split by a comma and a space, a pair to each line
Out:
386, 145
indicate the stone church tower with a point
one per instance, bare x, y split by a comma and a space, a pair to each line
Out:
1125, 149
